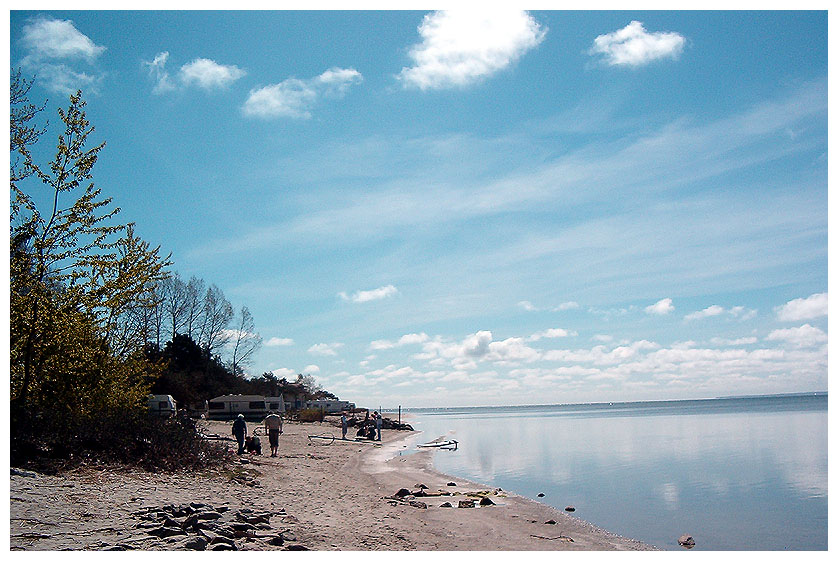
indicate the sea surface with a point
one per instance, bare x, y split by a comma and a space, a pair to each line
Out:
735, 473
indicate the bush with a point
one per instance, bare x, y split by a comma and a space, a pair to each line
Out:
132, 437
311, 415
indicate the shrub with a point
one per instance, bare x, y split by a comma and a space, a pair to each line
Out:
311, 415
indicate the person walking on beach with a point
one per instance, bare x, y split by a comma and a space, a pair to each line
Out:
240, 431
377, 417
344, 424
273, 424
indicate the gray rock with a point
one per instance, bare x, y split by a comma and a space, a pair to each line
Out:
469, 503
296, 547
166, 532
418, 504
540, 495
570, 508
195, 543
686, 541
446, 505
208, 515
402, 493
551, 521
451, 484
486, 501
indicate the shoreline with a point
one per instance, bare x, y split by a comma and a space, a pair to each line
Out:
335, 497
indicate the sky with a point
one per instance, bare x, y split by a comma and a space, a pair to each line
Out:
475, 207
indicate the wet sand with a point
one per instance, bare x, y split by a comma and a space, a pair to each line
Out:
316, 495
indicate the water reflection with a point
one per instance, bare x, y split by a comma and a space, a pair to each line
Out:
731, 479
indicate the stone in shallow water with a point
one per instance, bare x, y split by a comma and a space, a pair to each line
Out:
686, 541
570, 508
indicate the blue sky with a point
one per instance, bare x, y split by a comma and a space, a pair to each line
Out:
474, 208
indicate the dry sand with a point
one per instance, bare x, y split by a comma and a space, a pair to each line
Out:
320, 497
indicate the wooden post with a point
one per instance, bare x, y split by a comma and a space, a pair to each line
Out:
400, 415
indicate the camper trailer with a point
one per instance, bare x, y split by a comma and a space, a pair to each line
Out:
329, 405
253, 407
162, 405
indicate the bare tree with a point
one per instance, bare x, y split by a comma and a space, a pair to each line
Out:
175, 303
245, 340
194, 307
217, 314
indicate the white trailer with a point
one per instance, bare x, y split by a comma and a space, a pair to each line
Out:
163, 405
253, 407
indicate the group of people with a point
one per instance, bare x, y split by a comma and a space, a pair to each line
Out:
370, 428
252, 444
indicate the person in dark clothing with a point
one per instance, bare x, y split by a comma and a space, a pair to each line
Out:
240, 431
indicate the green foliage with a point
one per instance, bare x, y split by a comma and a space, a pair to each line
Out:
79, 281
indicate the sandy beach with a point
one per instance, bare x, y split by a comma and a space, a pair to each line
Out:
315, 495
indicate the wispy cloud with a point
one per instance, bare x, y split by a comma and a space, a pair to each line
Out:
295, 98
815, 306
201, 72
409, 339
715, 310
552, 333
634, 46
325, 349
54, 49
461, 47
279, 342
660, 308
362, 296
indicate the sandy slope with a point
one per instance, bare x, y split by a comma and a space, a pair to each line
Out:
321, 497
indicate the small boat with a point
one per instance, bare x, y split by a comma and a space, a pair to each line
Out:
440, 444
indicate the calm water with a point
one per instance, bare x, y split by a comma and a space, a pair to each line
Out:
736, 474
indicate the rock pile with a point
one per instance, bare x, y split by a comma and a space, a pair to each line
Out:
205, 527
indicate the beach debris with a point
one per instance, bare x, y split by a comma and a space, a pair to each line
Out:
468, 503
570, 508
446, 504
562, 538
540, 495
551, 521
451, 484
486, 501
686, 541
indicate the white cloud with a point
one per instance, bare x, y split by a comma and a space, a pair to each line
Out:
634, 46
527, 305
461, 47
552, 333
661, 307
48, 38
362, 296
409, 339
325, 349
566, 306
815, 306
295, 98
733, 342
715, 310
208, 74
53, 46
803, 336
283, 372
279, 342
311, 369
157, 70
201, 72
